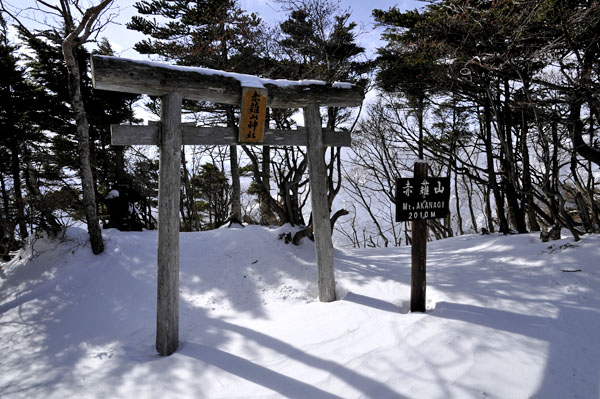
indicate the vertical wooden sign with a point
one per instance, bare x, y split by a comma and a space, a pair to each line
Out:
253, 115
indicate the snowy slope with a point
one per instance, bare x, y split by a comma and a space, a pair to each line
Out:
504, 320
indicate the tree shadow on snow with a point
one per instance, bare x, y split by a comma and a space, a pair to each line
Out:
243, 368
374, 303
565, 374
273, 380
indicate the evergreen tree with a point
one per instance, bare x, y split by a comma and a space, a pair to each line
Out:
23, 142
105, 108
14, 127
13, 88
79, 24
210, 33
213, 194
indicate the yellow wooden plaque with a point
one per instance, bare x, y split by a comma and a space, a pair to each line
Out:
253, 115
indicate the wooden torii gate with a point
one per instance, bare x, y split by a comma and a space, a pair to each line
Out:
172, 84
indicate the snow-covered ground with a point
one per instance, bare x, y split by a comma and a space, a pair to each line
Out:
505, 320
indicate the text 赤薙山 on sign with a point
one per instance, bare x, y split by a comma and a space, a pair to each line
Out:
421, 198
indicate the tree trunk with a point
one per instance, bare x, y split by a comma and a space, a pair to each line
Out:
580, 202
509, 176
119, 166
7, 228
488, 209
47, 221
470, 192
459, 220
19, 202
87, 179
557, 200
527, 183
266, 213
499, 199
188, 208
452, 167
236, 204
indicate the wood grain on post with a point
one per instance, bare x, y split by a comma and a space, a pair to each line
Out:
317, 173
418, 254
167, 316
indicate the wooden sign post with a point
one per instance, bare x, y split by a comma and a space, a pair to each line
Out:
417, 200
172, 84
418, 255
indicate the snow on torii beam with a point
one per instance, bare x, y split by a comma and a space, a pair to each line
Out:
203, 84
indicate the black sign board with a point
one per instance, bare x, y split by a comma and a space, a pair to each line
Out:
421, 198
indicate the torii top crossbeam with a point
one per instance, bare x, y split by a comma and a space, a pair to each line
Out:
203, 84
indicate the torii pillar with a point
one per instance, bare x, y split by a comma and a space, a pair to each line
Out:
172, 84
169, 184
317, 174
